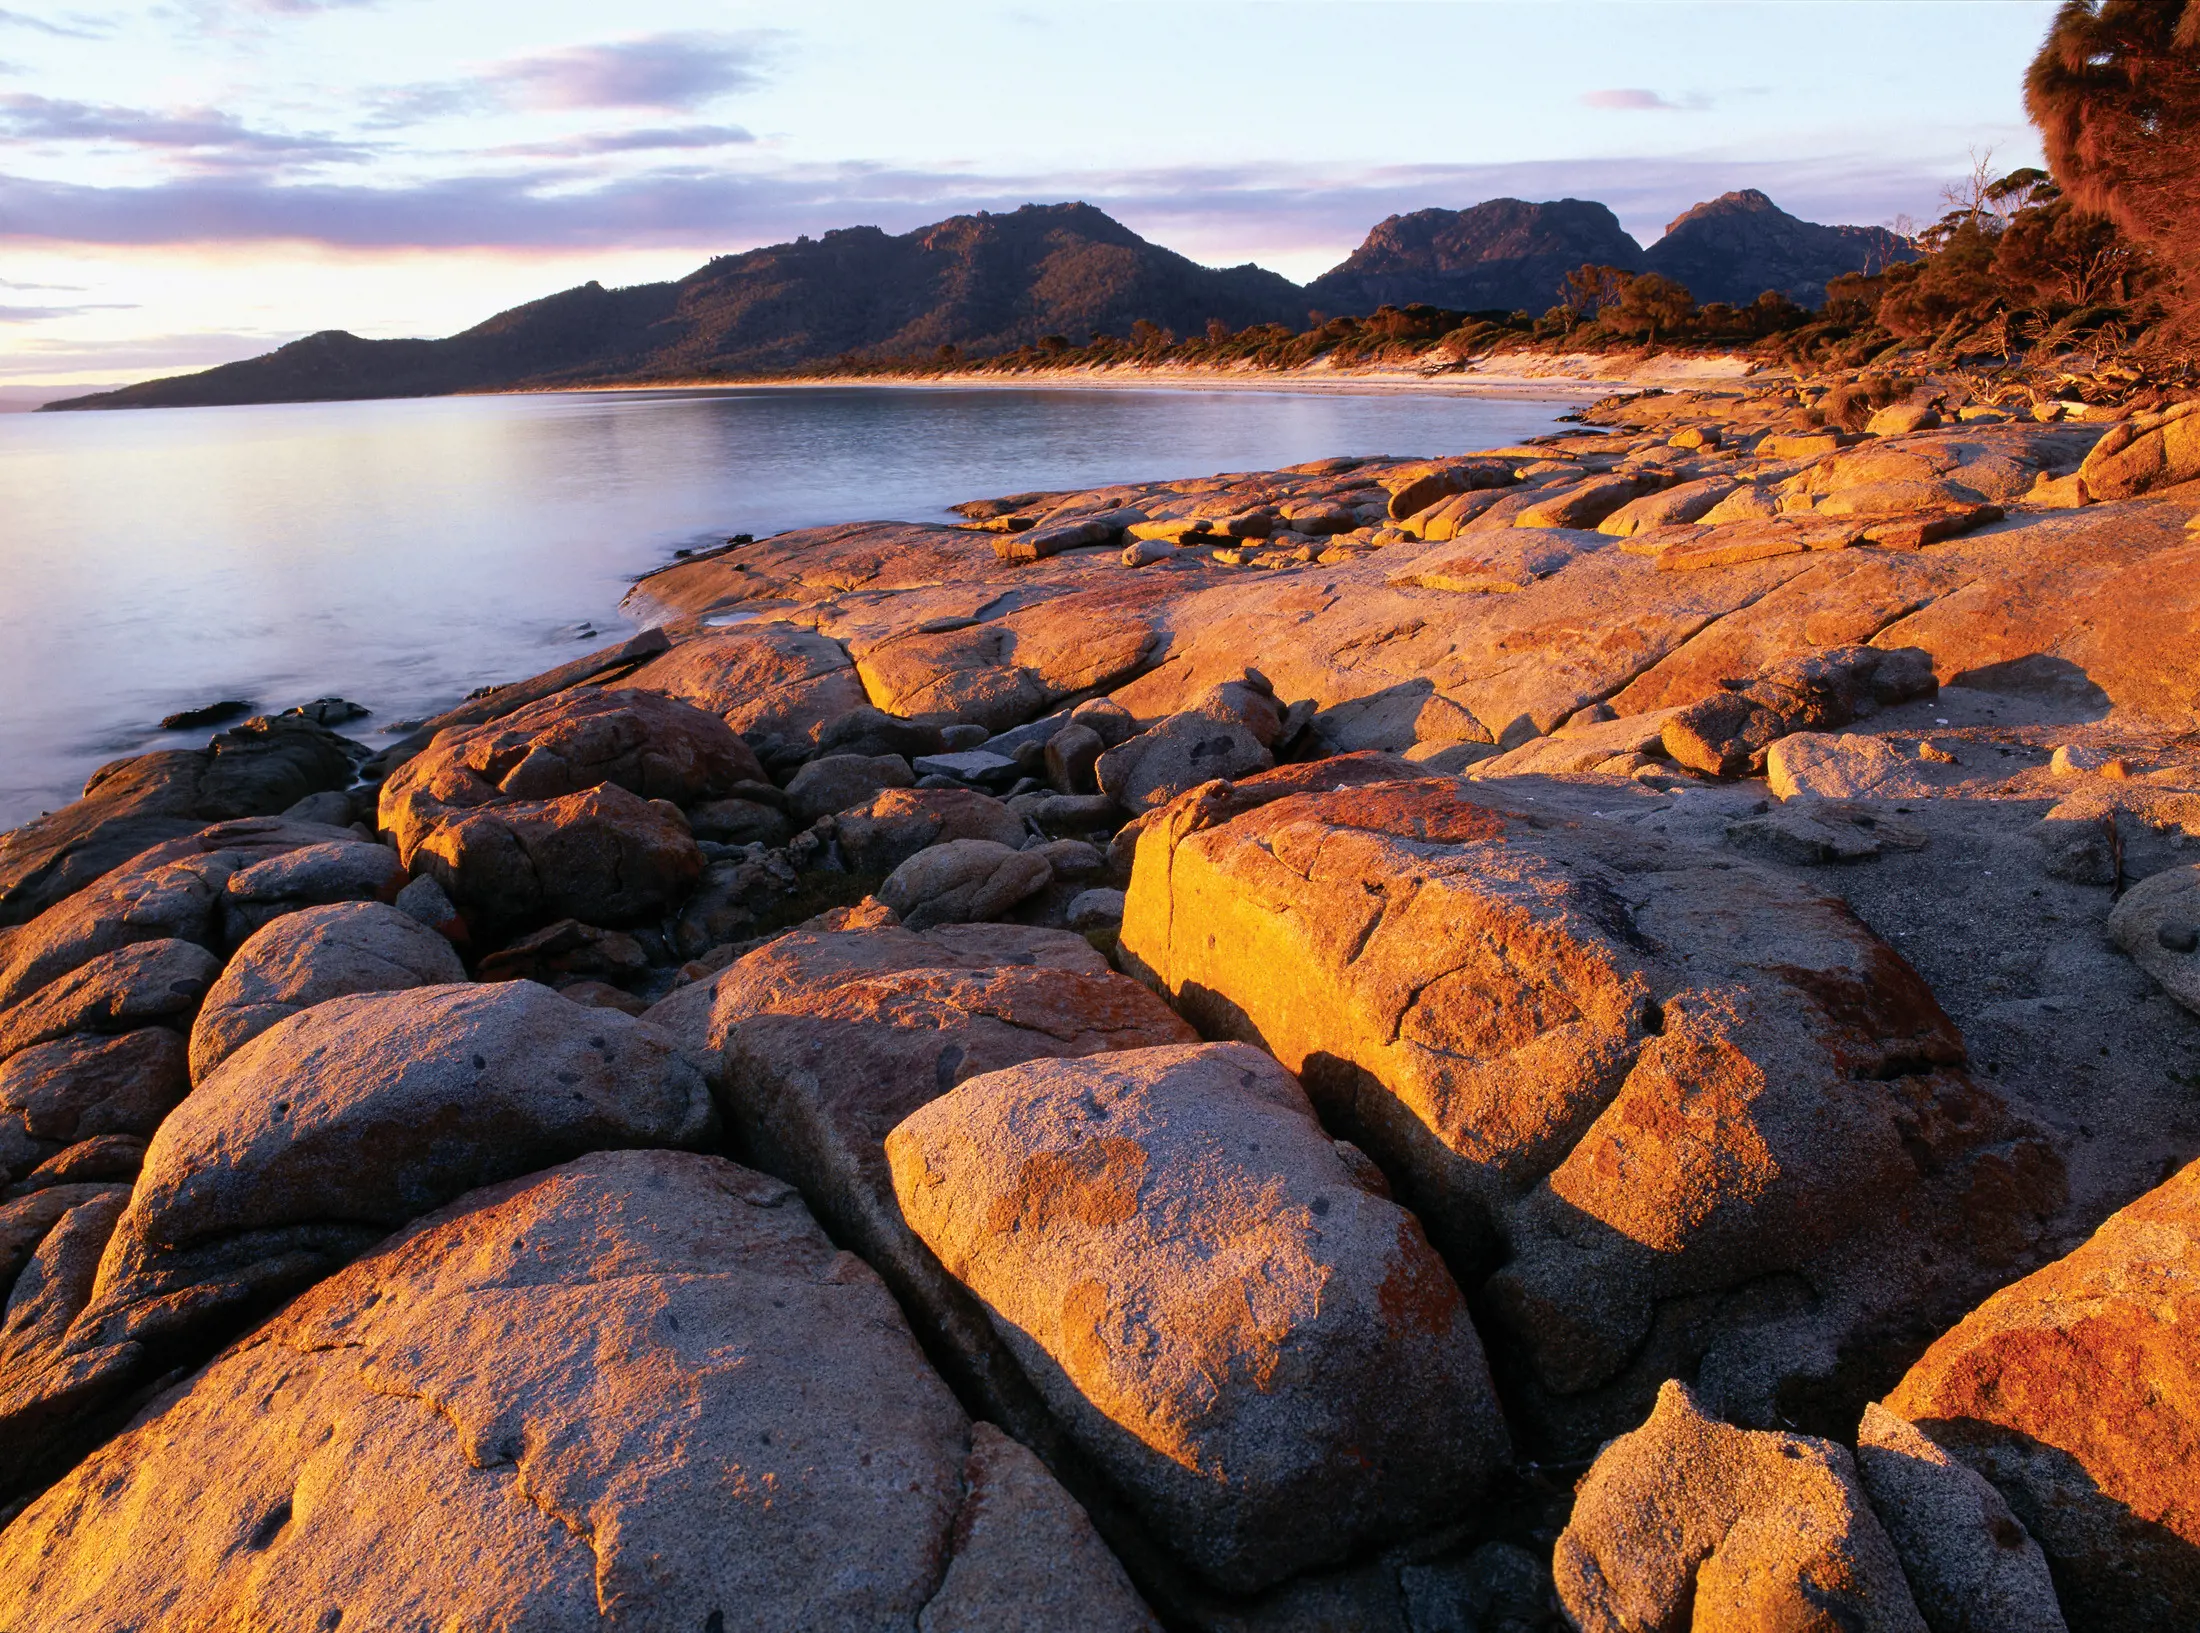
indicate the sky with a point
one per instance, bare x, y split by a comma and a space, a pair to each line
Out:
185, 182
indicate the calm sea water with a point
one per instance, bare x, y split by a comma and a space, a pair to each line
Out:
402, 553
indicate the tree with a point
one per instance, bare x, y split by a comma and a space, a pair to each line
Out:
1652, 305
2115, 92
1588, 290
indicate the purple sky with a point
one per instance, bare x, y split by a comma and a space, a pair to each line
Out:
185, 181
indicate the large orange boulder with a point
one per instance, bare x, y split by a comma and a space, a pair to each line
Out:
2076, 1393
1265, 1356
640, 1390
2145, 452
824, 1040
558, 810
1695, 1116
763, 678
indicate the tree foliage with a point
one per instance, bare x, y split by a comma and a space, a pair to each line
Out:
2115, 92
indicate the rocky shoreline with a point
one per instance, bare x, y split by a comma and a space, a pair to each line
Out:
1597, 1034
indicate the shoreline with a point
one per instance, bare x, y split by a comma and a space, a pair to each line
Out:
1505, 376
1522, 377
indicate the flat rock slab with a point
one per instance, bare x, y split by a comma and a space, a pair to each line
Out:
1630, 1077
641, 1390
1267, 1358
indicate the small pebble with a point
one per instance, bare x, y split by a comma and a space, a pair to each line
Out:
2177, 937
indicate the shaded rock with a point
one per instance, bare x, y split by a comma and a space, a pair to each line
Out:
1072, 760
1270, 1362
45, 1403
885, 831
171, 892
827, 1039
565, 949
1075, 813
255, 769
1845, 766
2076, 1393
1182, 752
839, 781
641, 1388
430, 904
332, 809
550, 812
104, 1157
306, 877
2157, 922
872, 731
739, 822
1635, 1080
1397, 718
80, 1088
760, 677
1969, 1563
602, 995
1027, 1555
1729, 732
309, 957
25, 1222
1107, 719
322, 1134
1099, 909
150, 983
603, 856
1687, 1522
1806, 832
735, 896
974, 765
962, 881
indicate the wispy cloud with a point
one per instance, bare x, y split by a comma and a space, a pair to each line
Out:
1641, 101
42, 314
681, 70
673, 138
658, 71
202, 131
79, 26
1213, 212
57, 355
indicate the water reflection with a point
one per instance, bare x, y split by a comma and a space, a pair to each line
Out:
403, 553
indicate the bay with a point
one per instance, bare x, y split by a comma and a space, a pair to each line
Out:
402, 553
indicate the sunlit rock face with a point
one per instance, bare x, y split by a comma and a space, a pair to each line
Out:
1691, 1114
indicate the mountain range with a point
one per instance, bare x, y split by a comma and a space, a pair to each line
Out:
987, 283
